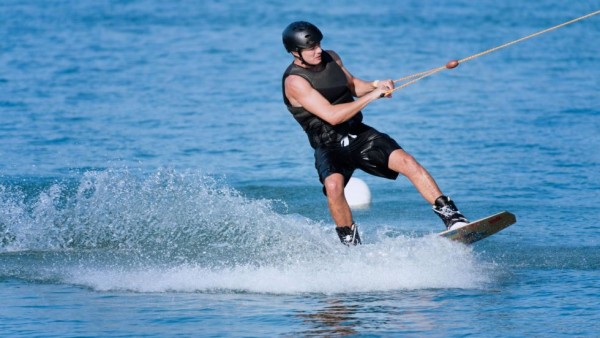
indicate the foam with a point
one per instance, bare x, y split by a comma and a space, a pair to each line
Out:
186, 232
392, 264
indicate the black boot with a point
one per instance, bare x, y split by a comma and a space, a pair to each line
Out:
349, 235
445, 208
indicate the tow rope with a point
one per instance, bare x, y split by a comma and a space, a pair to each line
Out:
454, 63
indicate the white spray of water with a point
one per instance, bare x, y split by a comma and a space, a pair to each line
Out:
187, 232
396, 264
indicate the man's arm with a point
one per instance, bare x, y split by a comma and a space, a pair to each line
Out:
302, 94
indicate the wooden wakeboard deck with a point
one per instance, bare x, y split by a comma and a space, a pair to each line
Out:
480, 229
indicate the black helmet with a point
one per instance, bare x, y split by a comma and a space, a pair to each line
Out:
300, 35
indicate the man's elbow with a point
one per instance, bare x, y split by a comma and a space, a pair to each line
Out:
335, 120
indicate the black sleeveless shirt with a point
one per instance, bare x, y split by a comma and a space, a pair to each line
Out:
331, 82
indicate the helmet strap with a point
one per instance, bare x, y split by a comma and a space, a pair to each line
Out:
301, 58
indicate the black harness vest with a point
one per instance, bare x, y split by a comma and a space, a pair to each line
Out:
331, 82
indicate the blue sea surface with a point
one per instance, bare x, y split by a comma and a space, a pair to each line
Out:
152, 183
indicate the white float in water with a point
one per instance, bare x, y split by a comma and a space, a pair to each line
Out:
358, 194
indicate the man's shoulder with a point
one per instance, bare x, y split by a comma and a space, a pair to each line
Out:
334, 55
296, 80
293, 72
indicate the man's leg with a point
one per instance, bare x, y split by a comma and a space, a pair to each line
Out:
338, 206
340, 210
403, 163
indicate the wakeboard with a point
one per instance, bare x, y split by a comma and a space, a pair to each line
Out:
481, 228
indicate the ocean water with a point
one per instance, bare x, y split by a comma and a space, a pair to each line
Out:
152, 182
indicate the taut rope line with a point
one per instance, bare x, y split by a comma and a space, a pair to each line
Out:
454, 63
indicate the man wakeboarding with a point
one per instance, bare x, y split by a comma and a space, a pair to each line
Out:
326, 100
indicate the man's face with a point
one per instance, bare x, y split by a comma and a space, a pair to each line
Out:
312, 56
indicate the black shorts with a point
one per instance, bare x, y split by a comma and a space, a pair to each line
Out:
368, 150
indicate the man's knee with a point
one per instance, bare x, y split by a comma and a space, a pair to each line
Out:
411, 163
334, 185
404, 163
